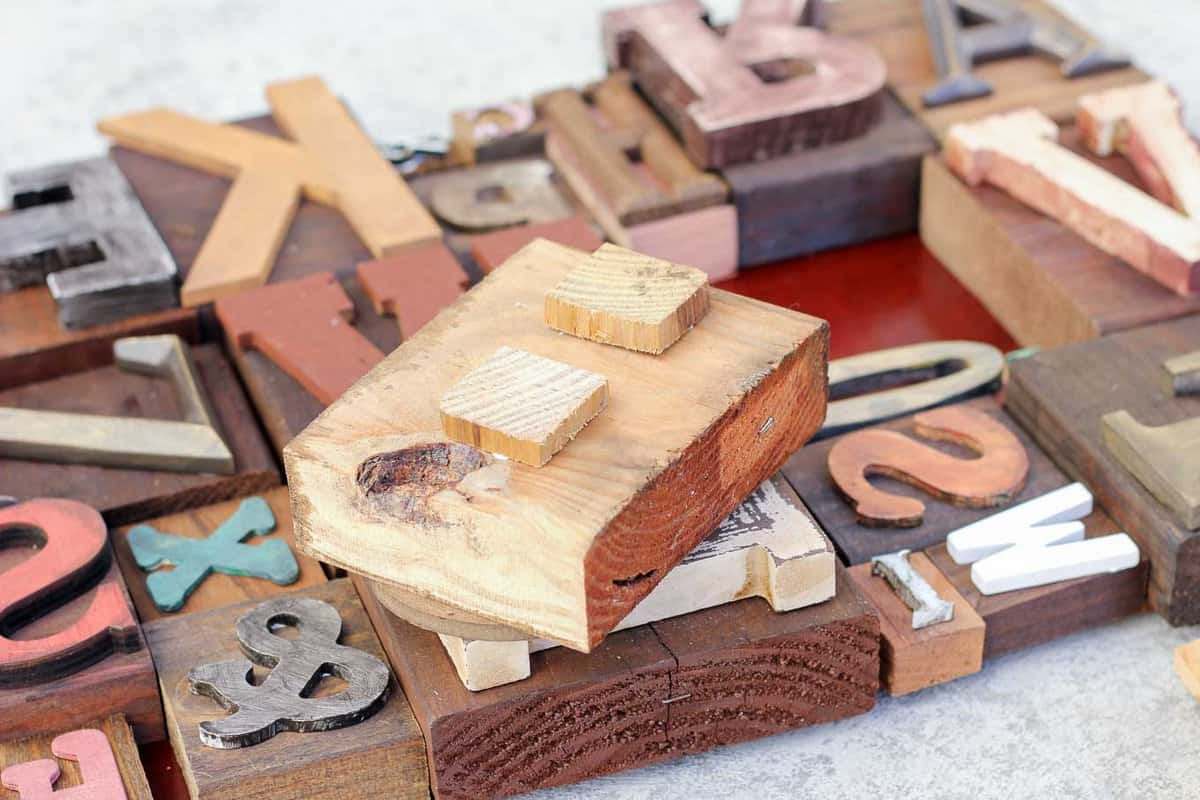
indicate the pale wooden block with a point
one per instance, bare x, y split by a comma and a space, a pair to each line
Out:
992, 534
628, 299
1024, 566
1018, 152
522, 406
1187, 665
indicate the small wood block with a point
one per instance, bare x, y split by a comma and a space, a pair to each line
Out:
1187, 665
831, 196
305, 327
413, 286
858, 543
219, 588
626, 299
98, 761
1048, 285
915, 659
490, 250
1019, 153
648, 694
1061, 397
382, 756
896, 28
522, 406
129, 495
708, 421
1181, 374
87, 649
1026, 617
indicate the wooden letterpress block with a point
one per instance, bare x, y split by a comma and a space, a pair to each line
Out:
707, 421
495, 132
1061, 396
413, 286
914, 659
490, 250
897, 29
77, 653
380, 756
647, 694
126, 495
99, 759
222, 582
808, 472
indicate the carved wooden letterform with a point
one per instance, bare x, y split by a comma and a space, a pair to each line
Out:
1166, 459
90, 748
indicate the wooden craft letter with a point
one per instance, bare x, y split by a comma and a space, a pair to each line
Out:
90, 748
1055, 514
927, 606
498, 196
1036, 562
1166, 459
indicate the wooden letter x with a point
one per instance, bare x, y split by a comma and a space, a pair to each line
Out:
34, 780
195, 559
332, 162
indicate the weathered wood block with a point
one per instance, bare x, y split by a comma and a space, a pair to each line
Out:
1061, 396
808, 472
1047, 285
382, 756
100, 758
75, 653
832, 196
129, 495
1026, 617
707, 421
725, 675
219, 588
916, 659
896, 28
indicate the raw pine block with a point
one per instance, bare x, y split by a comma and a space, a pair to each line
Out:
1187, 664
628, 299
522, 406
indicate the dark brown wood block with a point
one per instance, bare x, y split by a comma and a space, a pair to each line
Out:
116, 730
833, 196
122, 682
1026, 617
1045, 283
1060, 396
725, 675
218, 589
35, 347
382, 756
808, 473
126, 495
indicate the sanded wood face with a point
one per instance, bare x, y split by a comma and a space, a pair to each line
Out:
1063, 395
382, 756
686, 436
1187, 666
98, 761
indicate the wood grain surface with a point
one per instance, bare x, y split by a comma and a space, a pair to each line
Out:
130, 777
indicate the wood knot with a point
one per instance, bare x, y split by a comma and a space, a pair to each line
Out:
419, 471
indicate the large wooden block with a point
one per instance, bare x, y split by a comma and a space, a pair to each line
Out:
100, 758
71, 650
1026, 617
129, 495
382, 756
808, 472
913, 659
832, 196
220, 588
896, 28
725, 675
686, 436
1061, 397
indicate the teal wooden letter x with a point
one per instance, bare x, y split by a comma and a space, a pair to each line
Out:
195, 559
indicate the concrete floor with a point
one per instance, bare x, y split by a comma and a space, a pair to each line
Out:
1096, 715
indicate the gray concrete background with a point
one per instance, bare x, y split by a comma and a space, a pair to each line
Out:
1096, 715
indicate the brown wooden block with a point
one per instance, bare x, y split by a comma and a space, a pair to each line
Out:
1061, 396
915, 659
127, 495
494, 132
808, 473
35, 347
413, 286
382, 756
1026, 617
833, 196
490, 250
110, 762
218, 589
659, 691
705, 421
896, 28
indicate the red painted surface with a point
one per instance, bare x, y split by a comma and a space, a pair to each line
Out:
490, 250
413, 285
